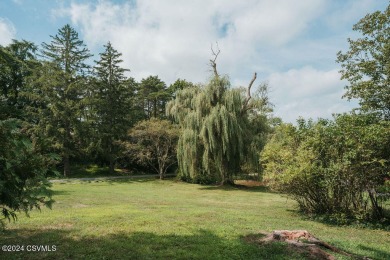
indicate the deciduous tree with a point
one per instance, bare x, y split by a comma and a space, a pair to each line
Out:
366, 64
153, 142
214, 119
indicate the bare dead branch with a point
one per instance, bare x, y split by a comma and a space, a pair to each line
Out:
248, 94
213, 63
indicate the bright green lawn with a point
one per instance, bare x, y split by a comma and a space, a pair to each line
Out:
150, 219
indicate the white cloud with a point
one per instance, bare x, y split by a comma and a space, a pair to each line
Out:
7, 32
280, 39
172, 39
308, 92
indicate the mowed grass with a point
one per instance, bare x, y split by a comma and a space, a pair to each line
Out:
151, 219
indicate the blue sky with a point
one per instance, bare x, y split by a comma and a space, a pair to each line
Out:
291, 44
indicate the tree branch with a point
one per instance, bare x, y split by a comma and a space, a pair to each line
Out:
248, 94
213, 63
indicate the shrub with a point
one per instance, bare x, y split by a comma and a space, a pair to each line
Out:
332, 167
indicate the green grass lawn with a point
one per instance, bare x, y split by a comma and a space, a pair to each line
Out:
150, 219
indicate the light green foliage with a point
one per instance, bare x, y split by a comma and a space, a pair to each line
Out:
215, 136
111, 105
366, 64
23, 184
153, 142
332, 167
60, 89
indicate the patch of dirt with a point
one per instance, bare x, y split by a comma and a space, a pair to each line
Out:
300, 241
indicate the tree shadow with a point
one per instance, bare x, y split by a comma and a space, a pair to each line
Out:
379, 254
203, 244
340, 221
59, 192
109, 180
236, 187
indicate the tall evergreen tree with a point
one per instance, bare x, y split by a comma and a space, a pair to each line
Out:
112, 104
16, 63
62, 84
154, 94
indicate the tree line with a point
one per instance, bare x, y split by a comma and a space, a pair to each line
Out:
55, 108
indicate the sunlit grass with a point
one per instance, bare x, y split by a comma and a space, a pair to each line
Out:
150, 219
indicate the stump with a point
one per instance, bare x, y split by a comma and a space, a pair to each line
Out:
304, 242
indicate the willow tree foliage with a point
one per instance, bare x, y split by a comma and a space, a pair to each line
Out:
60, 85
215, 137
111, 104
366, 64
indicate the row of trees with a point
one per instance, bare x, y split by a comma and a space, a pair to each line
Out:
341, 167
78, 109
54, 102
55, 107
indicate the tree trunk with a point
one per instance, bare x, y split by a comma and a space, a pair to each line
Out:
66, 165
376, 208
155, 108
112, 166
161, 173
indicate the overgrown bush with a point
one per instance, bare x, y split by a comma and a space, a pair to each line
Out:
332, 166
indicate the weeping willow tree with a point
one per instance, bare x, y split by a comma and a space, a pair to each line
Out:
214, 120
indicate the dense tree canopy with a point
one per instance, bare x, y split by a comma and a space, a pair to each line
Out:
366, 64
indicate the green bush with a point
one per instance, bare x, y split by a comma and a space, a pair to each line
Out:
334, 167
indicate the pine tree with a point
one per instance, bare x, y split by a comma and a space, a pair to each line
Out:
17, 61
111, 103
154, 94
61, 82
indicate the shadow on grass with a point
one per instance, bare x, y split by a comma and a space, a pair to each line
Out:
110, 180
59, 192
236, 187
380, 254
337, 221
140, 245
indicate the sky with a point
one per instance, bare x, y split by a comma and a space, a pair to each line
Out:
291, 44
